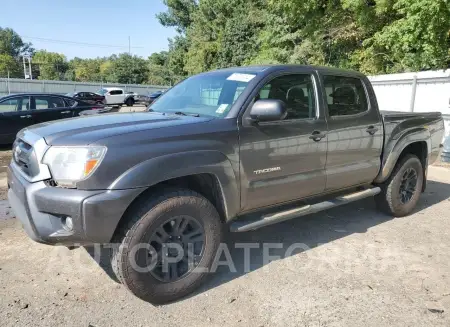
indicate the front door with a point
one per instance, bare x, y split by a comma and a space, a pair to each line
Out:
281, 160
355, 132
14, 115
46, 108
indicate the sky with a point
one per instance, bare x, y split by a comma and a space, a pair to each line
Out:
102, 26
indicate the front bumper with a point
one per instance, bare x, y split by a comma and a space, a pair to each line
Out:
42, 209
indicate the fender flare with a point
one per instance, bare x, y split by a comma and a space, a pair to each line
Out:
166, 167
394, 148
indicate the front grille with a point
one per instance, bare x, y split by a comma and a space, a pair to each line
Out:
23, 155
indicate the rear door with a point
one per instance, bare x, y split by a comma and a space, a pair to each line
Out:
355, 133
14, 115
47, 108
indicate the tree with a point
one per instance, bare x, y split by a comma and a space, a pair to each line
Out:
179, 14
52, 65
12, 46
87, 70
6, 64
130, 69
371, 36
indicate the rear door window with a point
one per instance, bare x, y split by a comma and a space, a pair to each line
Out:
43, 102
345, 95
116, 92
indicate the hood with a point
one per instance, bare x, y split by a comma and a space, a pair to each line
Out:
89, 129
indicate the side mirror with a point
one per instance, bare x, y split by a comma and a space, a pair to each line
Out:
267, 110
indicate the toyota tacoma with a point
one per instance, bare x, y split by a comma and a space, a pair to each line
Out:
234, 149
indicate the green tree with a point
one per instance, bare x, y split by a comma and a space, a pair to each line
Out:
12, 46
7, 63
52, 66
130, 69
371, 36
179, 14
87, 70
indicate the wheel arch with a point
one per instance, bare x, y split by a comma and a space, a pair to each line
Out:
209, 173
415, 142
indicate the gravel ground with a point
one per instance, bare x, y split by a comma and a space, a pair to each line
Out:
358, 268
5, 157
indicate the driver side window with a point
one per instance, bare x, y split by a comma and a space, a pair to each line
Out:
296, 91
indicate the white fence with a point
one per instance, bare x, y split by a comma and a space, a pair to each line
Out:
417, 92
13, 85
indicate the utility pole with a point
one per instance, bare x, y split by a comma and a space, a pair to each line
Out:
9, 90
30, 74
24, 68
29, 65
129, 45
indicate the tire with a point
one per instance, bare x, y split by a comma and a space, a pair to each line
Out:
390, 200
143, 220
129, 102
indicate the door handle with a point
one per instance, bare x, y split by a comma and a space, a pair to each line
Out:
25, 116
65, 112
317, 136
371, 130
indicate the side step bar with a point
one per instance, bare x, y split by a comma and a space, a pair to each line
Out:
269, 219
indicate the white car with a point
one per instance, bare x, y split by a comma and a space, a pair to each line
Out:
117, 96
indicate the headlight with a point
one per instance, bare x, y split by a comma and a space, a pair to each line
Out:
69, 165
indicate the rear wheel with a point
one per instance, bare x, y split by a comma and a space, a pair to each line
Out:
129, 102
166, 246
401, 191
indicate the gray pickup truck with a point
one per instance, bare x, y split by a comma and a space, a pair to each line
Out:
234, 149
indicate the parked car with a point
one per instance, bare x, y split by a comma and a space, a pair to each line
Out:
155, 95
21, 110
88, 97
115, 96
230, 149
148, 99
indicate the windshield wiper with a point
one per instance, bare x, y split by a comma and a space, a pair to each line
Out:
180, 113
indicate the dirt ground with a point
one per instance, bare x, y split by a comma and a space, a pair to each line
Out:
356, 267
5, 157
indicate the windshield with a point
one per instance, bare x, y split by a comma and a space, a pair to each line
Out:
211, 94
102, 92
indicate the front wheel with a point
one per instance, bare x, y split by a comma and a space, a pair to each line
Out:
166, 246
401, 191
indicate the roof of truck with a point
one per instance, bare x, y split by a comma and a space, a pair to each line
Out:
266, 68
112, 88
